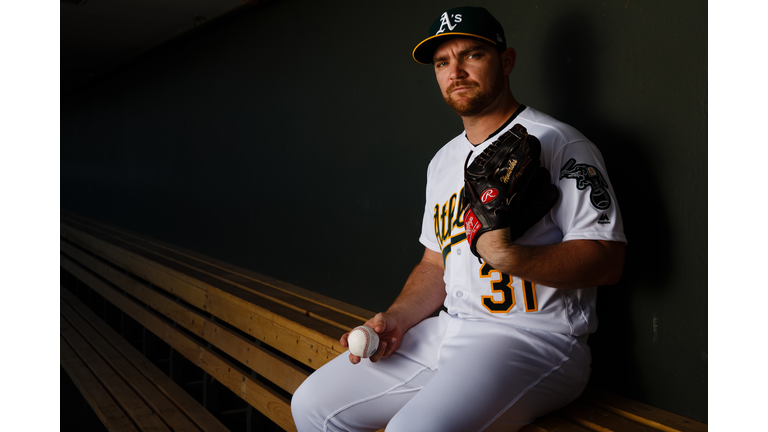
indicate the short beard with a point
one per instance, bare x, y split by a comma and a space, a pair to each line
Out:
477, 104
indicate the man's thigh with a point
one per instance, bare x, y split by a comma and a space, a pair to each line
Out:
343, 396
365, 396
492, 377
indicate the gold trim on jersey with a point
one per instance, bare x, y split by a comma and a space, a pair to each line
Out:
449, 217
503, 285
458, 238
529, 295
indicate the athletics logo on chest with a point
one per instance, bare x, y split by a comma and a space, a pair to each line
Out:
449, 216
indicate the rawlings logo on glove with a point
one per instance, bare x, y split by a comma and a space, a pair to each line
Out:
489, 195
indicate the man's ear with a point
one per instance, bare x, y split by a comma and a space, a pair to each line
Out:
508, 57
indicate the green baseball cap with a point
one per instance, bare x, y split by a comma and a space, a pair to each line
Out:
460, 22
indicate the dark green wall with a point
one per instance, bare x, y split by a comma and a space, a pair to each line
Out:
293, 137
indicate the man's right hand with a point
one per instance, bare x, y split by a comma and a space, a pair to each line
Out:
390, 331
423, 293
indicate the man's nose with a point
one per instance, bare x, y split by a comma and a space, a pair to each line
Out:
457, 71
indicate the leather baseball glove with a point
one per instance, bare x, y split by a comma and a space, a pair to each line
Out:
505, 187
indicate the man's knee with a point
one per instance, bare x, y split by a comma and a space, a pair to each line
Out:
306, 409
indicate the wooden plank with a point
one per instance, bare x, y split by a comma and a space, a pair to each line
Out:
271, 404
110, 414
167, 278
290, 341
596, 419
308, 351
268, 402
311, 327
141, 414
281, 372
264, 399
136, 264
280, 315
299, 304
144, 388
551, 423
186, 403
310, 309
655, 418
330, 303
161, 303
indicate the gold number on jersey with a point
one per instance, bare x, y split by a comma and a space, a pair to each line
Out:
503, 285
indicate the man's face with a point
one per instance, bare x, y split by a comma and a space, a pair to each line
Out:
470, 75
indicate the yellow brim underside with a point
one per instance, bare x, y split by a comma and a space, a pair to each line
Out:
445, 34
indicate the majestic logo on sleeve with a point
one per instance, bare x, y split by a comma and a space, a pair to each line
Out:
588, 176
445, 21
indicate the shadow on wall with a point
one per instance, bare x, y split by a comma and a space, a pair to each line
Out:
572, 57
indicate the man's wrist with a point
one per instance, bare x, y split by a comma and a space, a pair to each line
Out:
491, 242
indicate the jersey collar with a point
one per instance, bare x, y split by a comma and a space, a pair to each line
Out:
519, 109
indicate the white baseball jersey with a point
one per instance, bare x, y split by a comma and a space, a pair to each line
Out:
587, 209
507, 351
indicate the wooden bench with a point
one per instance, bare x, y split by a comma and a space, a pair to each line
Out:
103, 365
254, 335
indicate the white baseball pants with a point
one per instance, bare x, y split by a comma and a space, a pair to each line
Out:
449, 374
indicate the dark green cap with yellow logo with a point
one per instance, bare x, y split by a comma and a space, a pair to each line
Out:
460, 22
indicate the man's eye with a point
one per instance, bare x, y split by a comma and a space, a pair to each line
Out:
440, 64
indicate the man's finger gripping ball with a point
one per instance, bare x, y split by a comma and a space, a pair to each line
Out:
363, 341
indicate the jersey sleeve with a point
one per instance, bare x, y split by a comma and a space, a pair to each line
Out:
587, 209
427, 237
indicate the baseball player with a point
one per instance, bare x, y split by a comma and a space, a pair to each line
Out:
512, 343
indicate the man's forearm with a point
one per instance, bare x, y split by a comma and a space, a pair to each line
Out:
570, 264
423, 293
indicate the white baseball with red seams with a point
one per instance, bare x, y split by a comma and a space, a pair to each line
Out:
363, 341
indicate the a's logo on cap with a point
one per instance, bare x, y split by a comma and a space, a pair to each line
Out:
445, 21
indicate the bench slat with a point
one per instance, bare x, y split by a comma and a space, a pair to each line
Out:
345, 308
596, 419
279, 371
655, 418
136, 264
308, 351
310, 348
173, 281
186, 403
141, 414
204, 271
157, 401
552, 424
264, 399
110, 414
174, 273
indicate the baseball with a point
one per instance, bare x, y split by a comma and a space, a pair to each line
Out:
363, 341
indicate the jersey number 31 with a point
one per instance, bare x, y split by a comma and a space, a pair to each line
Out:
503, 285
